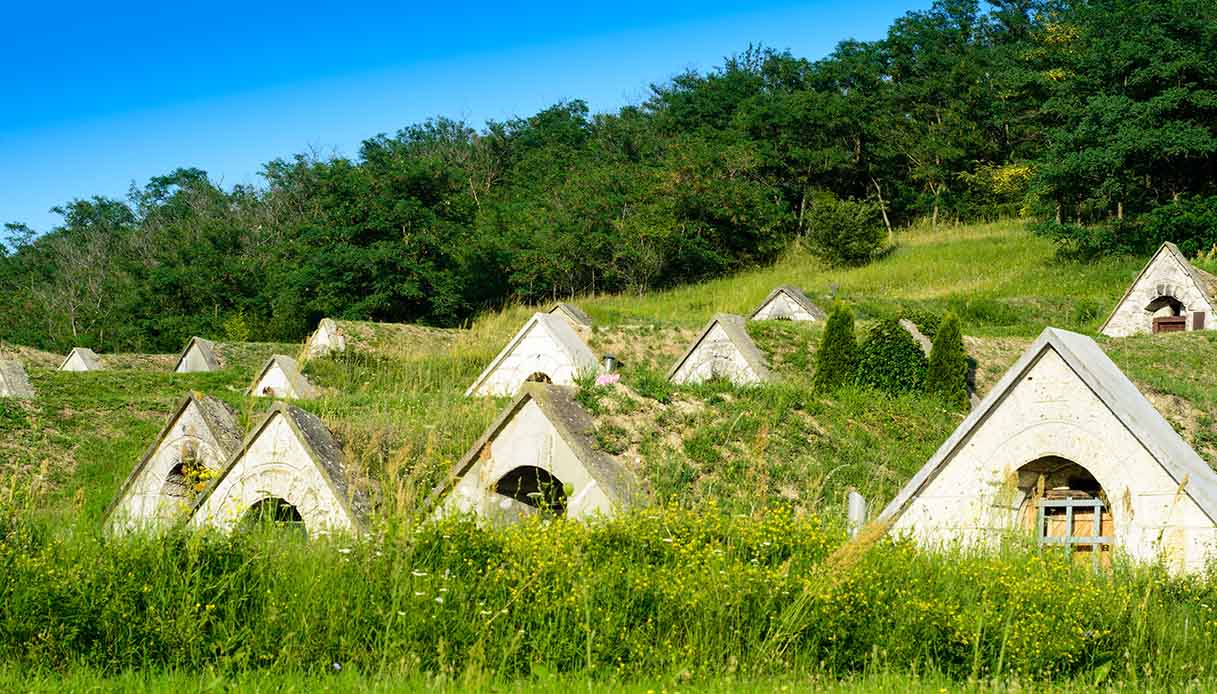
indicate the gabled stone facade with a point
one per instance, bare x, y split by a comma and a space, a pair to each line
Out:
291, 459
195, 442
540, 456
198, 357
722, 350
545, 350
280, 377
1169, 293
81, 359
788, 303
1065, 427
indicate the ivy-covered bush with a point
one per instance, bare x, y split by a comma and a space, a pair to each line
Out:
843, 232
890, 359
926, 321
947, 375
837, 358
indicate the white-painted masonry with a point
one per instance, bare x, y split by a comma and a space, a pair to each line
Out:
1065, 399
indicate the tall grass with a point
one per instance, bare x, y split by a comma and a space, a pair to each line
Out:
700, 594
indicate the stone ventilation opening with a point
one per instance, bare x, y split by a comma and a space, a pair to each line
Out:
1065, 507
273, 512
535, 487
539, 377
179, 483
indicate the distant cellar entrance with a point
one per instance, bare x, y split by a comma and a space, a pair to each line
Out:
1066, 507
535, 487
539, 377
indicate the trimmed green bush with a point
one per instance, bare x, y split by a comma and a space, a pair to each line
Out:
926, 321
890, 359
837, 358
947, 375
844, 232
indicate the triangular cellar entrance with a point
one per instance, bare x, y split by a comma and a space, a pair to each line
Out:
199, 356
1065, 433
538, 457
722, 350
788, 303
326, 339
280, 377
81, 359
1169, 295
290, 462
545, 350
193, 445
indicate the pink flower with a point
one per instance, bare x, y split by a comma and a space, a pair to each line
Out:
607, 379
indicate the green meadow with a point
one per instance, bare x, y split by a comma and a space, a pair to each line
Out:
734, 576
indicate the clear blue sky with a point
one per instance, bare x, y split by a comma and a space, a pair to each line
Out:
97, 95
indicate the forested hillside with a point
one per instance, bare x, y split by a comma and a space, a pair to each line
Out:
1097, 118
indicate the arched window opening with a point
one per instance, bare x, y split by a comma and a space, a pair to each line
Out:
1168, 315
539, 377
273, 512
1066, 507
182, 479
535, 487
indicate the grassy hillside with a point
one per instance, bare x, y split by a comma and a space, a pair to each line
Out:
746, 488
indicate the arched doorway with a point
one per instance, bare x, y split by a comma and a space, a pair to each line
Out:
539, 377
535, 487
1169, 314
273, 513
1065, 506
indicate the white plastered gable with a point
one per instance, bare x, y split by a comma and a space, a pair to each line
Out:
81, 359
723, 350
1167, 275
787, 303
278, 462
280, 377
544, 428
150, 499
198, 357
546, 345
327, 339
529, 439
1050, 405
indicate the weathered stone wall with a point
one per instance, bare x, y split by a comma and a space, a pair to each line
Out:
275, 465
716, 355
1164, 277
145, 505
1051, 412
529, 439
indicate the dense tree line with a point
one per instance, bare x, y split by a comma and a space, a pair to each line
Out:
1097, 117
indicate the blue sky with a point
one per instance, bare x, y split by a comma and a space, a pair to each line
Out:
98, 95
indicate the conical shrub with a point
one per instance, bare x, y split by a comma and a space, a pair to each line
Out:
837, 358
948, 372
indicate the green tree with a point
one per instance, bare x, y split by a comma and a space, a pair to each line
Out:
947, 375
837, 357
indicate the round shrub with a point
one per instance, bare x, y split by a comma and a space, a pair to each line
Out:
843, 232
926, 321
947, 376
837, 358
890, 359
